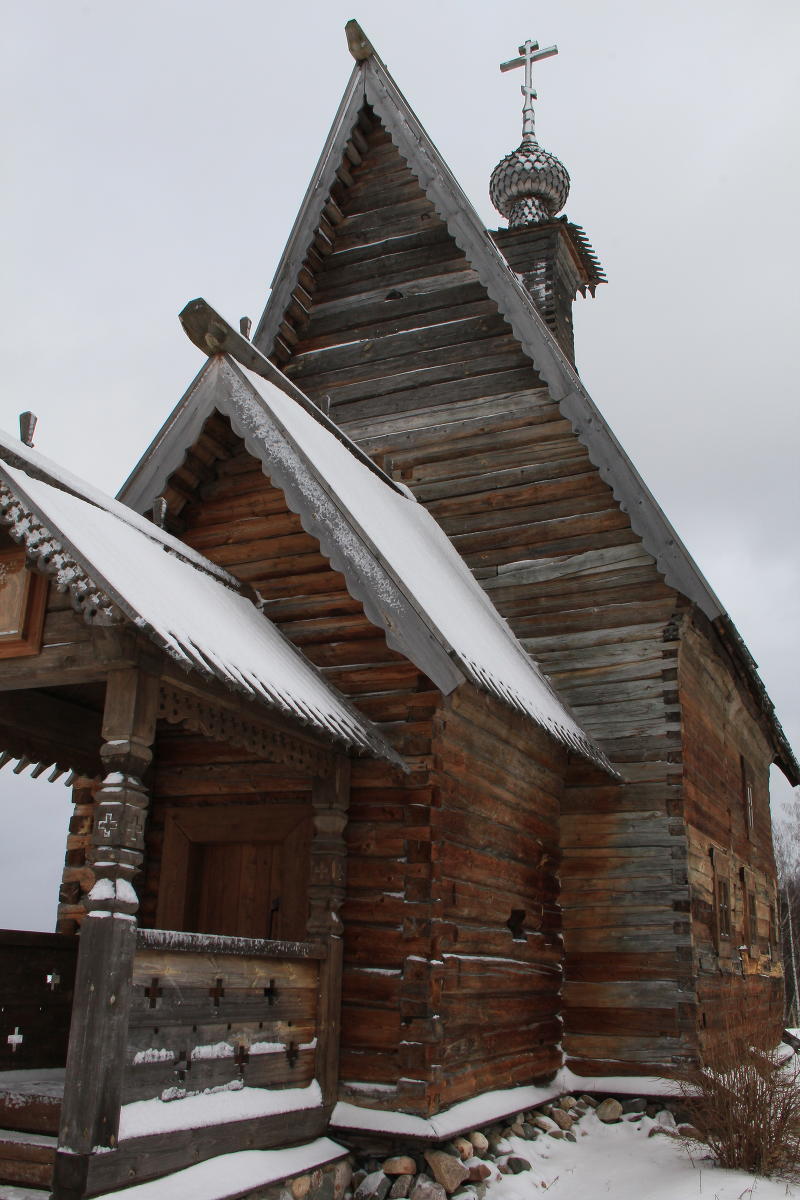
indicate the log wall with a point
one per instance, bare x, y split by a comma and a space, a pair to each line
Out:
730, 841
496, 920
392, 323
434, 1006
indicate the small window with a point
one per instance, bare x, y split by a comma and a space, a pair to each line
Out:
723, 908
773, 949
23, 595
747, 796
752, 923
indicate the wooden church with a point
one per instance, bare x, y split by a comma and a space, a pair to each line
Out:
414, 760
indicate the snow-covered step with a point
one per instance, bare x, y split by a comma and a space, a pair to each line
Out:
9, 1192
26, 1159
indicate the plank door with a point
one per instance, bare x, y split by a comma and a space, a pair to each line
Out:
238, 870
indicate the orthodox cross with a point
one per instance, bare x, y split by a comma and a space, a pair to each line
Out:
529, 54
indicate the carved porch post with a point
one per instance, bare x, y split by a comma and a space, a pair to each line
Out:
330, 797
98, 1033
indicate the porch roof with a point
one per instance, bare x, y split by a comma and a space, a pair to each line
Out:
116, 563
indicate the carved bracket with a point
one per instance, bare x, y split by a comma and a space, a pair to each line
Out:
45, 553
180, 707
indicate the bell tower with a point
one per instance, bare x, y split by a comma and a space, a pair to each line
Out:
530, 186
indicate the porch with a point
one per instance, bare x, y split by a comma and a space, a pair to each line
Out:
233, 1036
129, 1052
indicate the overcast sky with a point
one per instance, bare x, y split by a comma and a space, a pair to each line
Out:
158, 151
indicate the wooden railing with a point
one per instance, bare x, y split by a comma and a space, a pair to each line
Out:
37, 974
205, 1012
209, 1011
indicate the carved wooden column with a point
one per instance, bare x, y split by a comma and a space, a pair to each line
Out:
330, 797
98, 1033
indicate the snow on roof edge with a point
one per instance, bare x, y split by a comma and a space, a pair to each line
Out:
37, 465
338, 718
567, 730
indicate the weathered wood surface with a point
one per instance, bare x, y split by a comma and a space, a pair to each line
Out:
203, 1019
389, 321
26, 1159
145, 1158
724, 741
427, 377
37, 976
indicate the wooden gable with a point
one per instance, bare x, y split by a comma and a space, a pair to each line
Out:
239, 519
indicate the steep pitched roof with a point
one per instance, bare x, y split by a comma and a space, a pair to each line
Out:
396, 560
371, 85
114, 561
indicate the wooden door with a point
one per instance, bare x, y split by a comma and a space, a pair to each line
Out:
239, 870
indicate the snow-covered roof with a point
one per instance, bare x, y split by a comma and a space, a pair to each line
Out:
115, 561
420, 558
393, 554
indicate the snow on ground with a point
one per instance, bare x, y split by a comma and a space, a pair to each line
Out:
492, 1106
623, 1162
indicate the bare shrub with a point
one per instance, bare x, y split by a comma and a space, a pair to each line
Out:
744, 1101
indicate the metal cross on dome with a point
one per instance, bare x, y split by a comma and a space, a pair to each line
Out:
529, 54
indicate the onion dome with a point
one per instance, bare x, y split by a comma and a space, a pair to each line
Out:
529, 185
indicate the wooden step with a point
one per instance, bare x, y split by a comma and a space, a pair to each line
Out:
9, 1192
26, 1159
30, 1101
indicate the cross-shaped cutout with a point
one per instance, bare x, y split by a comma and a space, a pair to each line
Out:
217, 993
292, 1054
15, 1039
107, 825
242, 1057
271, 993
53, 980
153, 992
183, 1064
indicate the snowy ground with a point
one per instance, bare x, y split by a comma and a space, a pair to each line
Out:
622, 1162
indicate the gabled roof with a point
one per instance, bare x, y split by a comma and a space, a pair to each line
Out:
116, 563
371, 84
396, 560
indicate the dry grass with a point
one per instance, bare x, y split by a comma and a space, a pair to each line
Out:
744, 1100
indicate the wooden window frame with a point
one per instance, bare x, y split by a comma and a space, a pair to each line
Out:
748, 795
28, 641
751, 918
721, 876
724, 908
774, 934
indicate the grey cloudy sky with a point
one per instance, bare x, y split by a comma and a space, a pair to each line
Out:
158, 151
